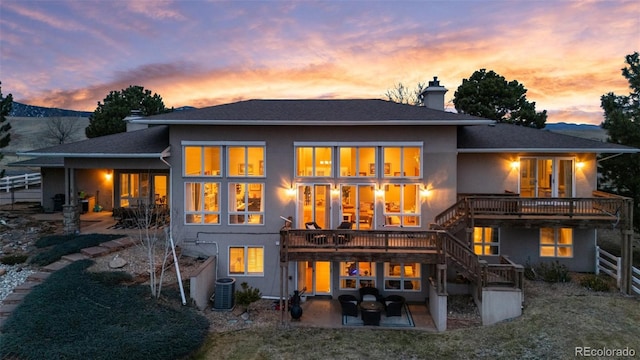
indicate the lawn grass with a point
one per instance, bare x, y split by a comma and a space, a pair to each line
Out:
76, 314
60, 245
557, 318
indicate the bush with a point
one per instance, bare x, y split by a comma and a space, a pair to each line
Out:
13, 259
247, 295
549, 272
597, 282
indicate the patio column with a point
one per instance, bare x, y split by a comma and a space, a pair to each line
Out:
70, 210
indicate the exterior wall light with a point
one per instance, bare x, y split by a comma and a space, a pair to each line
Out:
515, 165
108, 175
291, 191
425, 192
335, 191
580, 165
379, 192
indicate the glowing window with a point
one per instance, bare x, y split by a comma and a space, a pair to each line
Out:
246, 205
556, 242
357, 161
485, 241
314, 161
402, 276
402, 161
245, 161
202, 201
246, 260
354, 275
202, 160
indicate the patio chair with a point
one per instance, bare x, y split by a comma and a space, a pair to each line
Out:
349, 304
393, 305
315, 238
344, 238
368, 293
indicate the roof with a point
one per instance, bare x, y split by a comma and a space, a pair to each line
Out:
513, 138
49, 162
314, 112
152, 142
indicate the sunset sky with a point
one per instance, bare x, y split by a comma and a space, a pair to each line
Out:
70, 54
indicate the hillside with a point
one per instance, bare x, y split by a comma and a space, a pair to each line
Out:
24, 110
586, 131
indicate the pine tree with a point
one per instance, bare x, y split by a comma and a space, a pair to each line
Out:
6, 103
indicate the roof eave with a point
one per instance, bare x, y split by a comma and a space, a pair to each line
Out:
552, 150
97, 155
313, 122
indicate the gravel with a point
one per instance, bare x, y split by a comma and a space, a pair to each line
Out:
15, 275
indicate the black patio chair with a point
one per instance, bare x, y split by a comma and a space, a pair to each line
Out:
315, 238
344, 238
393, 305
368, 293
349, 304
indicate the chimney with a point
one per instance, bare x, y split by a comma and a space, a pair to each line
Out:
135, 114
433, 96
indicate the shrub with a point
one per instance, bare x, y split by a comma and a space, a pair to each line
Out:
13, 259
553, 272
597, 282
247, 295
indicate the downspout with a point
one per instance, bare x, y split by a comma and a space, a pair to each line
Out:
173, 246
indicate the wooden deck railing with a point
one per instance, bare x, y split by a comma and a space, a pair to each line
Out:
606, 207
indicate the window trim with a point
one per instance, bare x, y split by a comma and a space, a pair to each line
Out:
246, 212
202, 212
370, 279
483, 243
245, 271
402, 277
556, 245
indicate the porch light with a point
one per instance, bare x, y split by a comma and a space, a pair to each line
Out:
379, 192
580, 165
291, 191
335, 191
425, 192
108, 175
515, 165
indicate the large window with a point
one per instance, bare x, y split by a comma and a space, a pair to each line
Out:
354, 275
314, 161
402, 276
401, 161
556, 242
134, 189
202, 203
485, 241
245, 161
402, 205
246, 260
246, 205
202, 160
357, 161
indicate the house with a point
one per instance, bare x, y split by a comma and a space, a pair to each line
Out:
428, 196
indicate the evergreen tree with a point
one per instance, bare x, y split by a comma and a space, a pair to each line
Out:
108, 116
621, 174
6, 103
489, 95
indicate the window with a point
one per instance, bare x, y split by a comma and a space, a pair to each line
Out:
134, 189
357, 161
402, 205
246, 260
245, 161
402, 276
354, 275
314, 161
556, 242
202, 160
202, 201
485, 241
401, 161
246, 205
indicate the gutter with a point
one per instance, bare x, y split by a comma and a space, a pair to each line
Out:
95, 155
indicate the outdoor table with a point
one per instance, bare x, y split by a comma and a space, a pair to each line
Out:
371, 311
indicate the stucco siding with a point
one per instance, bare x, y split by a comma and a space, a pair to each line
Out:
523, 247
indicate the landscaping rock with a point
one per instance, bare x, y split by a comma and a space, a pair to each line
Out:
117, 263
